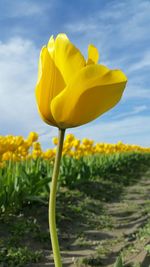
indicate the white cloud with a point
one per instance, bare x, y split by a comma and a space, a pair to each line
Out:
135, 21
143, 63
139, 109
18, 64
132, 129
116, 26
135, 91
136, 110
24, 8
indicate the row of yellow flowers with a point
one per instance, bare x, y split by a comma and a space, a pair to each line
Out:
17, 148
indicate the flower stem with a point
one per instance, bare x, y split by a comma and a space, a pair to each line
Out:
52, 201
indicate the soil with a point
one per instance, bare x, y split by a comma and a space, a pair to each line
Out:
93, 232
102, 244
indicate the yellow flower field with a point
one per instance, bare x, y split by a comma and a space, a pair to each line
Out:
16, 148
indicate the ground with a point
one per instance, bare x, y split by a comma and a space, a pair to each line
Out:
96, 222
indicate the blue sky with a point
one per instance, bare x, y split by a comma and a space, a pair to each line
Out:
121, 32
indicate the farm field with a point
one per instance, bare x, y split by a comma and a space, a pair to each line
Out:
103, 203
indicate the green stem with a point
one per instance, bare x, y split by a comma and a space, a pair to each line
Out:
52, 201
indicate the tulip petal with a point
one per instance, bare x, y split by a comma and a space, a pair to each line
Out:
67, 57
51, 46
49, 79
93, 91
93, 55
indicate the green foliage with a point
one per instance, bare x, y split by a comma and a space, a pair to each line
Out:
74, 170
145, 231
119, 262
13, 244
91, 261
18, 257
22, 182
28, 181
95, 260
147, 248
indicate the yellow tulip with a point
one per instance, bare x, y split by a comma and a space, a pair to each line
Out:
32, 137
55, 140
71, 91
19, 140
69, 138
76, 143
49, 154
37, 146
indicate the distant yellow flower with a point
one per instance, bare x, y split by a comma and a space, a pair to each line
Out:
69, 138
19, 140
71, 91
49, 154
76, 143
37, 146
32, 137
7, 156
55, 140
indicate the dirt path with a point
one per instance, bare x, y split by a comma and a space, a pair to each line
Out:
127, 216
99, 230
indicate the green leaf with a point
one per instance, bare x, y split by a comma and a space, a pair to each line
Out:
118, 262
